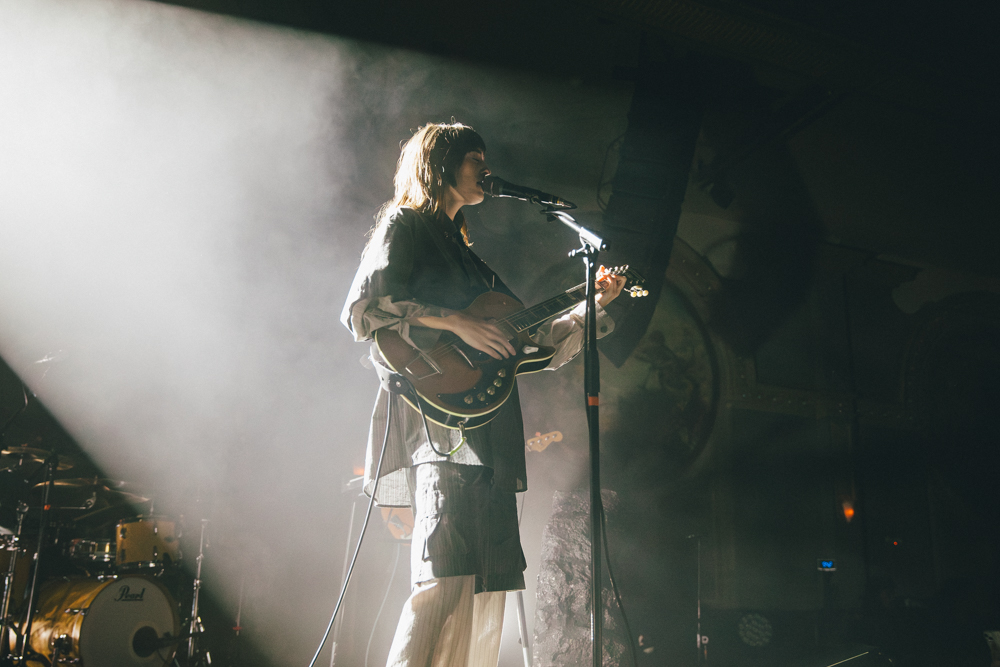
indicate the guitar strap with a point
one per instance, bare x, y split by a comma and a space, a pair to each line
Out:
390, 380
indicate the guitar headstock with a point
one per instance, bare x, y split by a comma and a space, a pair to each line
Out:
633, 280
540, 442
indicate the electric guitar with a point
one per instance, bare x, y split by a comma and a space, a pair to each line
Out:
459, 387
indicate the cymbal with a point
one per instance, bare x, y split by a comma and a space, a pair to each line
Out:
76, 483
13, 457
86, 492
119, 485
112, 513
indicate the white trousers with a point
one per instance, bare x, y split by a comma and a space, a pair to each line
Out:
445, 624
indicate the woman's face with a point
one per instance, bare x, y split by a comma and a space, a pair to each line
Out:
468, 188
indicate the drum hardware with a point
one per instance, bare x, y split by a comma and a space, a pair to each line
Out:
114, 514
50, 466
234, 648
18, 457
196, 628
90, 551
14, 462
14, 546
59, 619
88, 494
62, 645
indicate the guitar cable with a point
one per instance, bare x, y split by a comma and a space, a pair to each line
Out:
361, 537
427, 431
393, 383
399, 384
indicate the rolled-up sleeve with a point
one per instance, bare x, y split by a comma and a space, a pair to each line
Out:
566, 333
380, 295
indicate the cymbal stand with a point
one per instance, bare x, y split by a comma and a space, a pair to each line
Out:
8, 580
196, 627
43, 523
234, 647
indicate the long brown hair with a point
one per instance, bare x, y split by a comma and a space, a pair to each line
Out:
429, 160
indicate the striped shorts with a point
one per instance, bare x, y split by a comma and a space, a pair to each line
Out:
464, 526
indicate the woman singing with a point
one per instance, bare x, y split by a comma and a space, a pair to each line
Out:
416, 275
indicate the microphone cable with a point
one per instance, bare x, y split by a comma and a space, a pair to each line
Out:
381, 607
364, 527
614, 588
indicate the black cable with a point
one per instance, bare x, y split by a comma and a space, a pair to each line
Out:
614, 588
361, 537
427, 431
394, 383
388, 589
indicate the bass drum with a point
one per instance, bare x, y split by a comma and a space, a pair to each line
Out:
115, 622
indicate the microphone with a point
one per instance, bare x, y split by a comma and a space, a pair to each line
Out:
497, 187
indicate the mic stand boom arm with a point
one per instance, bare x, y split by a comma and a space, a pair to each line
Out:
590, 246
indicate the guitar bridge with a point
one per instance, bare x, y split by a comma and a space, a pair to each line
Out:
422, 366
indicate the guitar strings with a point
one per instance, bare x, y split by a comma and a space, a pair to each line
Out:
443, 348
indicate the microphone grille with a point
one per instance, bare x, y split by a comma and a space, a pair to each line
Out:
493, 186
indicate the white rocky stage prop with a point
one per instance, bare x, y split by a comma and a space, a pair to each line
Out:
562, 612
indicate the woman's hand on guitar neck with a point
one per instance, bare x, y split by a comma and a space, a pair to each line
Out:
480, 334
613, 286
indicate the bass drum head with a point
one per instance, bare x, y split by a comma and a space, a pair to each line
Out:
113, 623
123, 622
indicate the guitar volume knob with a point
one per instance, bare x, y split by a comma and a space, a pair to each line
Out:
468, 399
502, 373
481, 396
491, 390
498, 382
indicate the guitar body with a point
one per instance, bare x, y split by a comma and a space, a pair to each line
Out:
455, 382
458, 386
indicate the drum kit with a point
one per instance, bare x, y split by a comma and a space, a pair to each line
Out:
92, 575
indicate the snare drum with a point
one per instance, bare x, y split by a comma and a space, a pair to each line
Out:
115, 622
91, 551
147, 542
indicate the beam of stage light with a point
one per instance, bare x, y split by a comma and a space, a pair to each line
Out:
183, 201
170, 250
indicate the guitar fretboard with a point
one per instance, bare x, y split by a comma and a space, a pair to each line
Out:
529, 317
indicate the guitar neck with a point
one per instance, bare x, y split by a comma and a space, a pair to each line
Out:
530, 317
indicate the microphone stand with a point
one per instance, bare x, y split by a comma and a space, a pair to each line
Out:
15, 548
590, 246
51, 464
